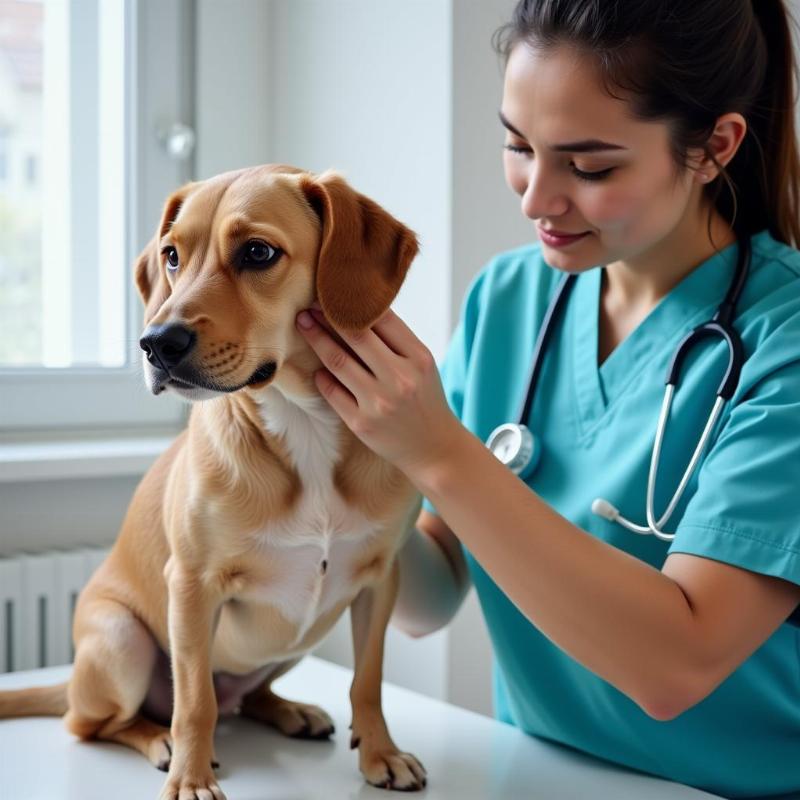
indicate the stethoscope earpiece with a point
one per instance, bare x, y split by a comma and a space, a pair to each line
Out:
604, 509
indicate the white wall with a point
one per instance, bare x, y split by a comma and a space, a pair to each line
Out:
42, 515
232, 85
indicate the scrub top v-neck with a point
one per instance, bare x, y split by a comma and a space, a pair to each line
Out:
596, 425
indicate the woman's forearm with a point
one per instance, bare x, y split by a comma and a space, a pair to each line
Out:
621, 618
431, 587
618, 616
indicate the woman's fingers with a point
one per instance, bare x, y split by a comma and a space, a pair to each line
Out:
372, 352
335, 357
389, 332
387, 357
340, 400
322, 320
395, 405
396, 334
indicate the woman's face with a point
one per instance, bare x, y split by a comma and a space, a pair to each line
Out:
623, 193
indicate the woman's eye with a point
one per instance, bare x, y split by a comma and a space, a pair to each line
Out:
258, 255
592, 176
578, 173
173, 262
516, 148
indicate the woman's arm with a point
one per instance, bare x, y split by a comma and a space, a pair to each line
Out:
666, 639
433, 578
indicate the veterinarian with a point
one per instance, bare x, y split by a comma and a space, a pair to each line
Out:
660, 135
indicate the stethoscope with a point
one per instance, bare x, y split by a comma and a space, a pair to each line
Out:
520, 450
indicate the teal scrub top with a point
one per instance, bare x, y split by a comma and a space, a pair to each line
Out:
596, 427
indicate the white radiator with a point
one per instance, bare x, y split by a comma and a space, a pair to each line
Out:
37, 602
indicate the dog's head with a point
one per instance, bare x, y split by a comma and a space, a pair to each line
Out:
236, 257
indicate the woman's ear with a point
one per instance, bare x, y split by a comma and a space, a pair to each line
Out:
364, 252
151, 279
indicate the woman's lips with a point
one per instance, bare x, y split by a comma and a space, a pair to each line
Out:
560, 240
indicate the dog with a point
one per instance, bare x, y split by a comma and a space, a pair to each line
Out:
267, 517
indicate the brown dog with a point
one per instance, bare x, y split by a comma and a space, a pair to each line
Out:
267, 517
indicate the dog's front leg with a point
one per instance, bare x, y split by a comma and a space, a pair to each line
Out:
380, 761
192, 609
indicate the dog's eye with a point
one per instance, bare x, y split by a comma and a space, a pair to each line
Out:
173, 262
258, 255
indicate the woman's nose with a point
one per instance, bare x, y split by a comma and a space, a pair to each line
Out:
542, 196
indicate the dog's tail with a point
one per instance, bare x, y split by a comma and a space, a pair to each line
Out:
37, 701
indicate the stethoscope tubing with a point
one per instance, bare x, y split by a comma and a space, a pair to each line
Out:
559, 300
720, 326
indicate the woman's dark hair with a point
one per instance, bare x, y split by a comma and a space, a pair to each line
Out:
686, 63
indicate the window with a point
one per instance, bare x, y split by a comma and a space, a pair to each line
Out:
84, 85
3, 155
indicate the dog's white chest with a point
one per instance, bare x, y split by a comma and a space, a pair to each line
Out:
313, 558
311, 554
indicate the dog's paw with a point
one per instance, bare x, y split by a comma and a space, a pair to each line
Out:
389, 768
379, 759
160, 753
298, 720
304, 721
191, 786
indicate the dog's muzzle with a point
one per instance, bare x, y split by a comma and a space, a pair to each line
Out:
166, 346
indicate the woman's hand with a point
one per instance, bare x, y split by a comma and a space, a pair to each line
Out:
386, 390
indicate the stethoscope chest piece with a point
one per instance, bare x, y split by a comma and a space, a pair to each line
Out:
516, 447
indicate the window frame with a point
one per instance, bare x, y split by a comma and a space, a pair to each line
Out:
159, 90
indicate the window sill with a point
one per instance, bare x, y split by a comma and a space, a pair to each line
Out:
57, 460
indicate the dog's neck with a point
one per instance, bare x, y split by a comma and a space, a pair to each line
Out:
310, 429
296, 423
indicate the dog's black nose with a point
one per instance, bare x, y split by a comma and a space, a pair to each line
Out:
167, 345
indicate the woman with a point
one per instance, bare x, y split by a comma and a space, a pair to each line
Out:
674, 658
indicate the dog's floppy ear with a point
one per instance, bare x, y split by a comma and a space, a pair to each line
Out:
150, 278
364, 253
